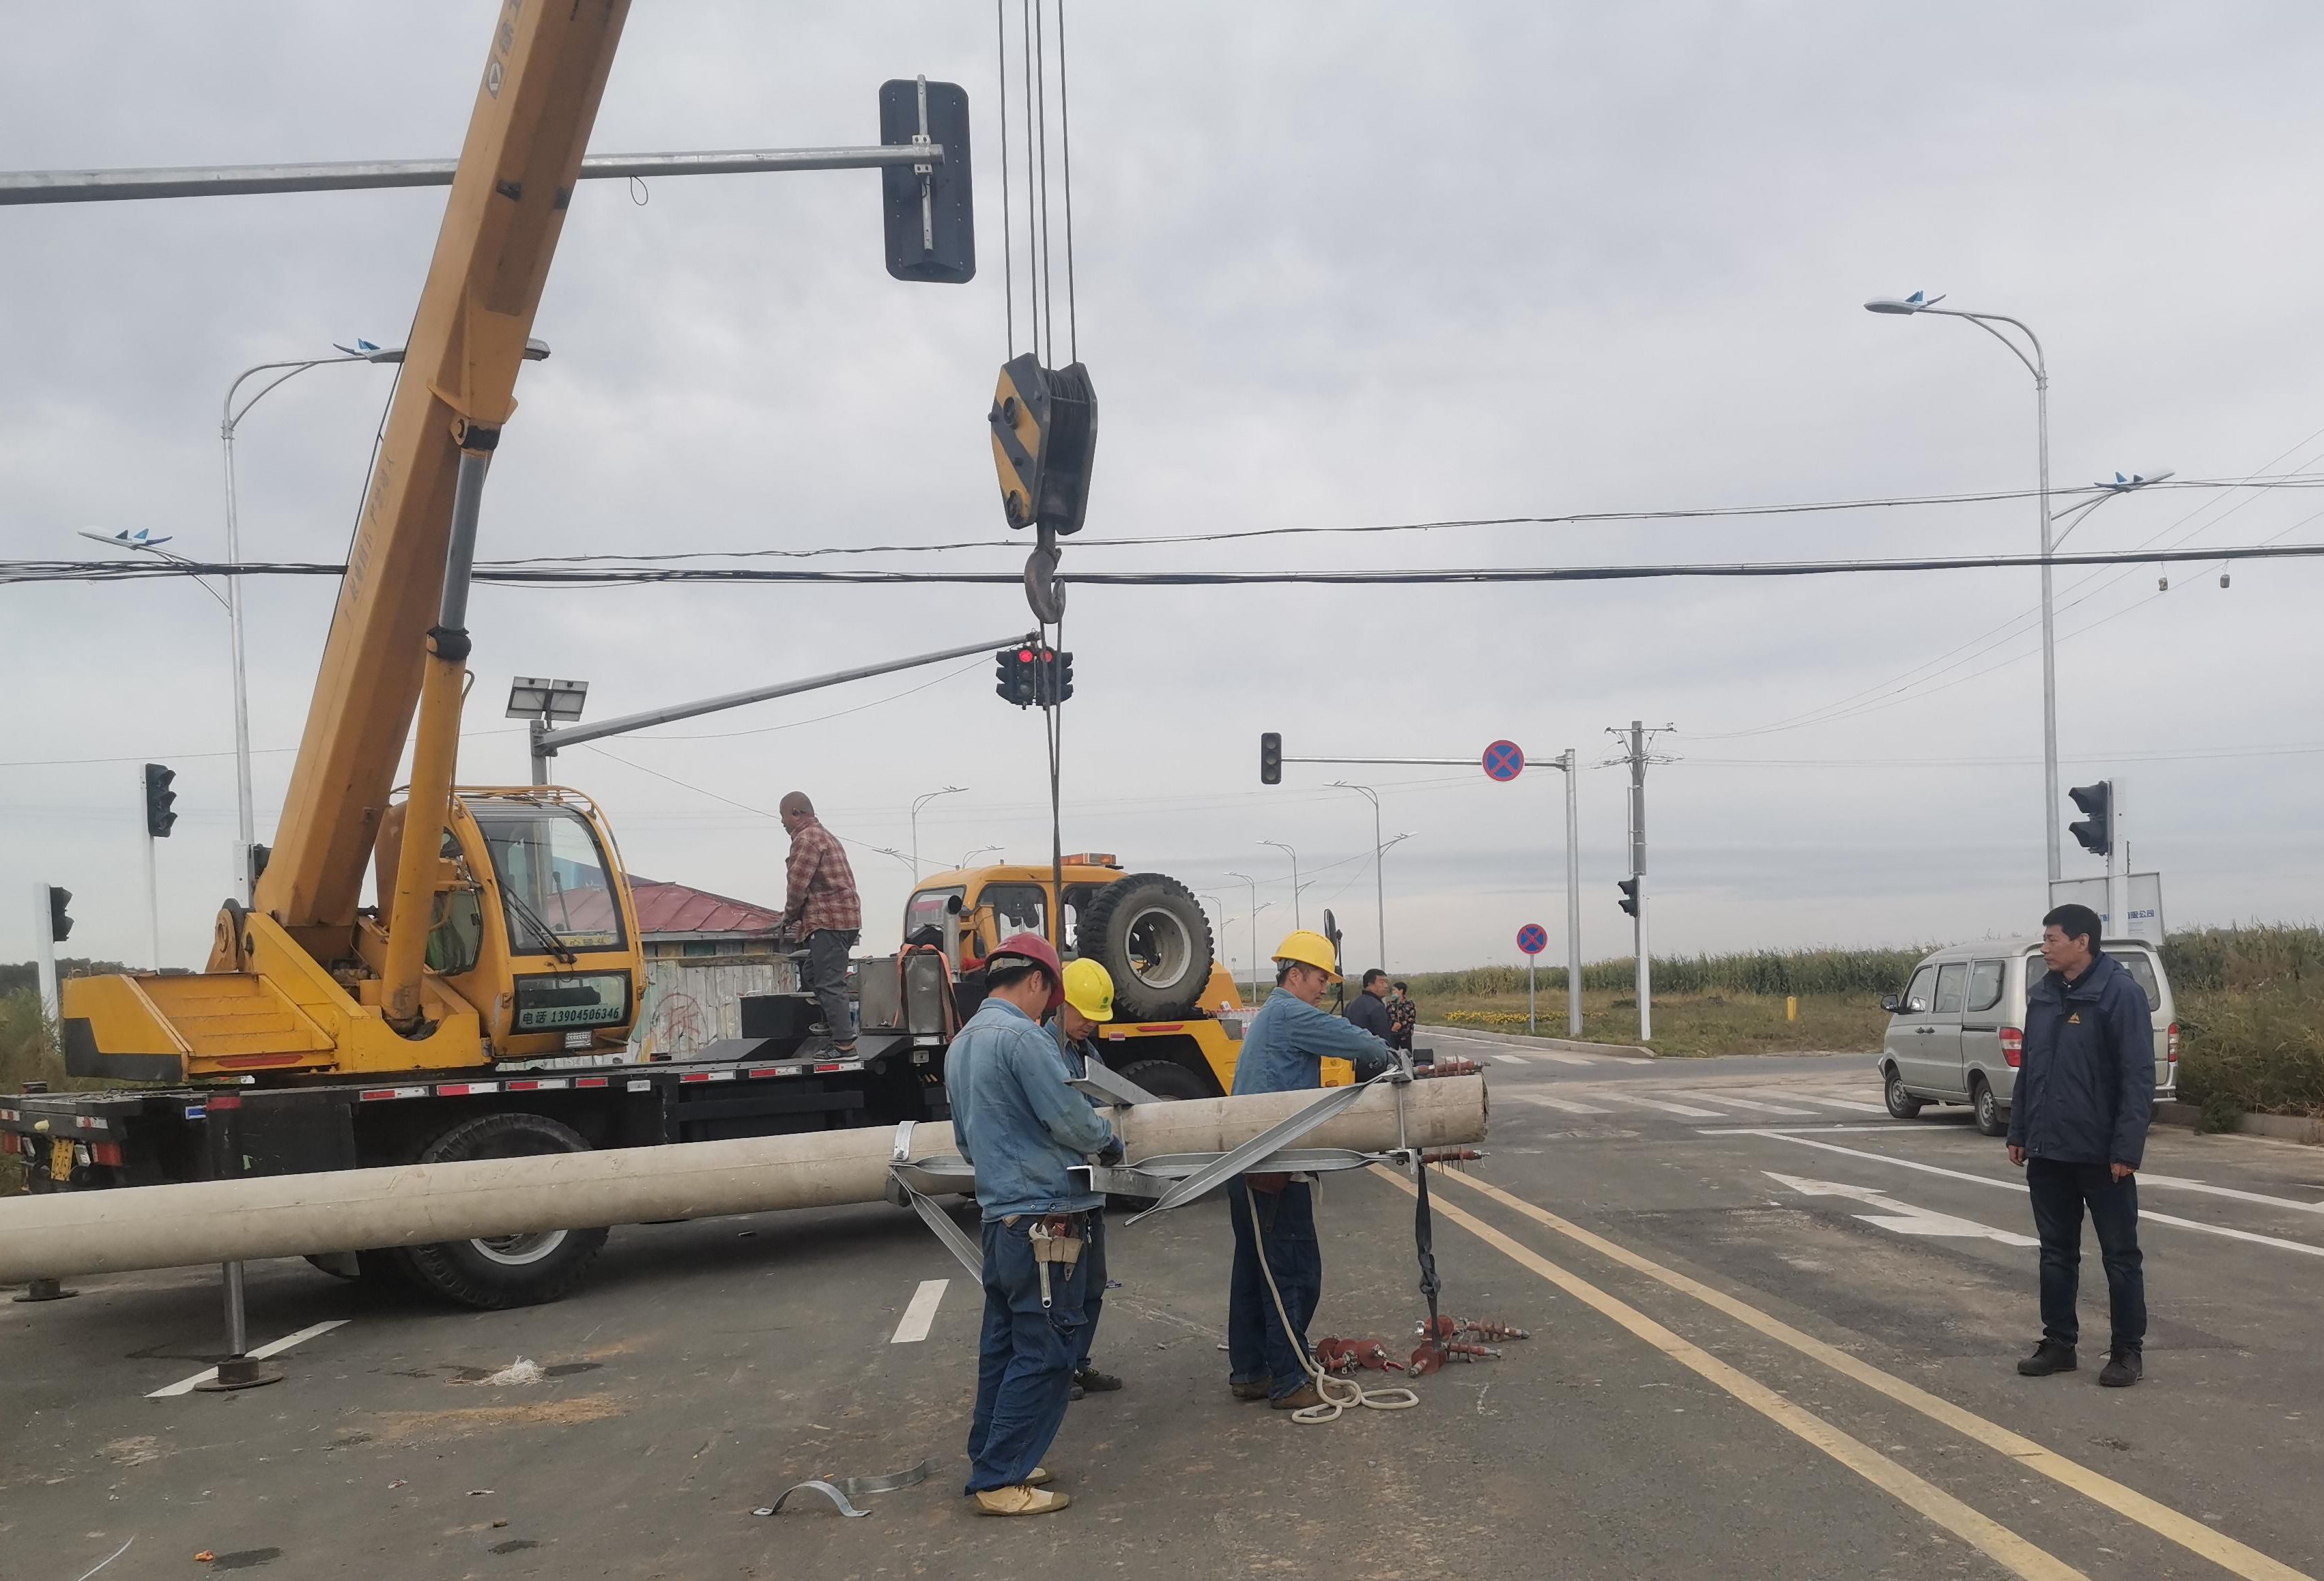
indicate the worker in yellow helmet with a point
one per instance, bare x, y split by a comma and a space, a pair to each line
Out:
1274, 1214
1089, 1004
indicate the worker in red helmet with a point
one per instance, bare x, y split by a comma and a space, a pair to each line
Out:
1024, 1129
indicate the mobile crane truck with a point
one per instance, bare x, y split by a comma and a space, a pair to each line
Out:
480, 1008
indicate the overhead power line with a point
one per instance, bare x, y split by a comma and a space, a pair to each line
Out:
510, 575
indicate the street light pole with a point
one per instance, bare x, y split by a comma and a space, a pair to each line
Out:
1254, 925
1279, 846
245, 830
2038, 366
918, 802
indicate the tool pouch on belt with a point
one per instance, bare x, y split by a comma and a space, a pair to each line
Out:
1270, 1184
1057, 1242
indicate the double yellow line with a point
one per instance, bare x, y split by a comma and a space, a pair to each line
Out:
1987, 1535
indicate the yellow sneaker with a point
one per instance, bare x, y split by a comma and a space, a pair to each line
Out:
1019, 1499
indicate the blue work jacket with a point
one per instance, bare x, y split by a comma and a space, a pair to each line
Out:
2086, 1090
1285, 1047
1015, 1118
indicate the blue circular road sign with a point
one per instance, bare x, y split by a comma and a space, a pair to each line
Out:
1532, 938
1504, 761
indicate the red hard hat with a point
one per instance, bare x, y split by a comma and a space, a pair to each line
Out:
1033, 947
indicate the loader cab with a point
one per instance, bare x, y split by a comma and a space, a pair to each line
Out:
537, 931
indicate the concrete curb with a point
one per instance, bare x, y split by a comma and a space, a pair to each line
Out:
2285, 1127
1524, 1040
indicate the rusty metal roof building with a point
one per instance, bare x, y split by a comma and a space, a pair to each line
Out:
676, 911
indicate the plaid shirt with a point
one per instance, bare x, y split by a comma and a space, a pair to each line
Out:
822, 887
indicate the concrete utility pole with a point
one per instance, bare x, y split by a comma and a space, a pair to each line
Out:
1638, 762
2117, 867
1567, 761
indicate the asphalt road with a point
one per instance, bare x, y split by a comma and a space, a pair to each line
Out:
1773, 1334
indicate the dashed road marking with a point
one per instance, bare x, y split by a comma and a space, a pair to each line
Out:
1749, 1104
919, 1313
2144, 1212
1687, 1109
1546, 1102
272, 1348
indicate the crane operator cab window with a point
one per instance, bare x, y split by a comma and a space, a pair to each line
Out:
557, 891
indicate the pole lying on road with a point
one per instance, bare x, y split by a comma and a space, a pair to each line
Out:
296, 1216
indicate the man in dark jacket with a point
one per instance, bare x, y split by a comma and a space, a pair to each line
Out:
2078, 1125
1369, 1009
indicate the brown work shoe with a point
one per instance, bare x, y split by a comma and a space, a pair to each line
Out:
1021, 1500
1307, 1395
1254, 1390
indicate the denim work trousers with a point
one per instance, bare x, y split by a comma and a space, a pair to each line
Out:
1257, 1347
2060, 1190
1025, 1360
827, 949
1093, 1272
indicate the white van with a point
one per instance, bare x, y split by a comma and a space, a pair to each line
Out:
1957, 1033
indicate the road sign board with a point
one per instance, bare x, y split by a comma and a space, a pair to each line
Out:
1504, 761
1532, 938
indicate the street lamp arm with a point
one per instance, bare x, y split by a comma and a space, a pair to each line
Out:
2037, 364
228, 417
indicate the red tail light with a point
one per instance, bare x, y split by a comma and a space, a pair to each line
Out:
2171, 1043
2012, 1046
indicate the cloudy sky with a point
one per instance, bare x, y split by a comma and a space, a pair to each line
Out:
1336, 265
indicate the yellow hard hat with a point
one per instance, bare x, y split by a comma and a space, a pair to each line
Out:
1309, 948
1088, 989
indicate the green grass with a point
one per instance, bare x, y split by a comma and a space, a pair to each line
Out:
2251, 1020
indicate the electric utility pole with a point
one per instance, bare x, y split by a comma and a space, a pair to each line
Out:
1634, 888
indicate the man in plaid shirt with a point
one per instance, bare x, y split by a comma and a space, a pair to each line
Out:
821, 907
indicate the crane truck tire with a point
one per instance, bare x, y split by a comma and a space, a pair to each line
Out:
1150, 934
502, 1271
1166, 1078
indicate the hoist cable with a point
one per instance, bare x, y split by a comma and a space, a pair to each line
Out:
1065, 147
1032, 229
1007, 240
1038, 65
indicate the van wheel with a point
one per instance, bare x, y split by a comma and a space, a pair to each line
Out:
1990, 1120
495, 1271
1903, 1105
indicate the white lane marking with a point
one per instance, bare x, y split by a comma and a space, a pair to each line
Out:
2176, 1184
2144, 1212
1902, 1216
1686, 1109
1749, 1104
1829, 1103
919, 1313
1562, 1059
1546, 1102
1786, 1130
1512, 1059
273, 1348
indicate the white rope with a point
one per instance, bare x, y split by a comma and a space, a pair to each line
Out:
1339, 1393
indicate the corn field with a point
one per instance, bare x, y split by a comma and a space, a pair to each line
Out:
1770, 972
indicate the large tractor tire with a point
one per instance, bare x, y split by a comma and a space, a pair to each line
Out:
503, 1271
1150, 934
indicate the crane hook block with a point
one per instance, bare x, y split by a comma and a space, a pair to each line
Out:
1043, 424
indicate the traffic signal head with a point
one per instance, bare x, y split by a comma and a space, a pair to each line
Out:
159, 800
1270, 758
1629, 888
1021, 674
1043, 425
2096, 831
59, 925
1061, 676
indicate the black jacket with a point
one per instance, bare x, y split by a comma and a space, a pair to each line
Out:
2086, 1091
1369, 1012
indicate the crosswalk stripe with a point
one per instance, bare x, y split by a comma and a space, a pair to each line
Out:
1546, 1102
1686, 1109
1750, 1103
1512, 1059
1857, 1104
1568, 1059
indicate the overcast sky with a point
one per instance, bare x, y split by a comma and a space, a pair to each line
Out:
1336, 265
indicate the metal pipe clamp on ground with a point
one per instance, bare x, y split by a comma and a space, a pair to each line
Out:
294, 1215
